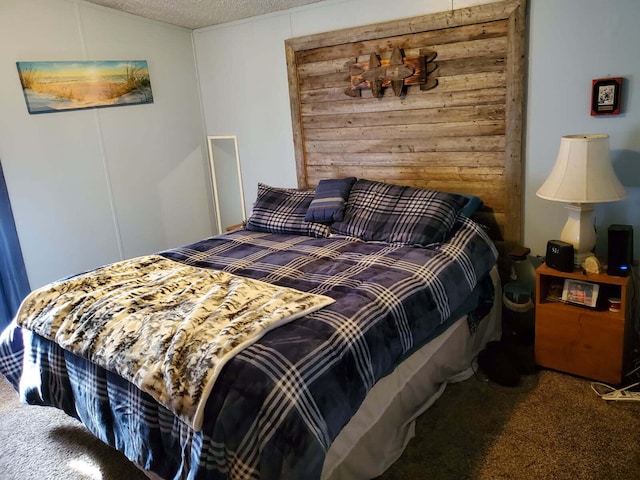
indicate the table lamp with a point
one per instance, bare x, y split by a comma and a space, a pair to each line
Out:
582, 175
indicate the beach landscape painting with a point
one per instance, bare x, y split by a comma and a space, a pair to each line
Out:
68, 85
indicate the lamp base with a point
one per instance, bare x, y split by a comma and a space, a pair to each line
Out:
578, 259
579, 231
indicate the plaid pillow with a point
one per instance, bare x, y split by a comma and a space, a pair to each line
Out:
282, 210
328, 203
383, 212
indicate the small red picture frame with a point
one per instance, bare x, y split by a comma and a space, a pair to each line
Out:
606, 94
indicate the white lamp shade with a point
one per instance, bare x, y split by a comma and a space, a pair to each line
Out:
583, 172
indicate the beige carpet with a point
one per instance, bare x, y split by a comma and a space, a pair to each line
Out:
44, 443
551, 427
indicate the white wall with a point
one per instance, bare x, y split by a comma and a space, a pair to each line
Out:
242, 69
93, 186
571, 43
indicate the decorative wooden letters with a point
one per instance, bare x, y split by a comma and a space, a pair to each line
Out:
395, 72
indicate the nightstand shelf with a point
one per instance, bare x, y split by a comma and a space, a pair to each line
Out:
589, 342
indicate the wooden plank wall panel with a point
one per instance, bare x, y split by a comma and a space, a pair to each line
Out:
463, 136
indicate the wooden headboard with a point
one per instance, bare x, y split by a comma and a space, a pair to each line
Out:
457, 128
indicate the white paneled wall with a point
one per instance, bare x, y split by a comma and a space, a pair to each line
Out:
93, 186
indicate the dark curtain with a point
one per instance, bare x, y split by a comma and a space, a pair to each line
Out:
14, 285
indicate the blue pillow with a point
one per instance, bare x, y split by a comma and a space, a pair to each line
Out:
328, 203
282, 210
472, 206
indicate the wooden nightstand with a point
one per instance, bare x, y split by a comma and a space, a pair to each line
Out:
592, 343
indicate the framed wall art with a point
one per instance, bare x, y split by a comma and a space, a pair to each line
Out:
68, 85
606, 94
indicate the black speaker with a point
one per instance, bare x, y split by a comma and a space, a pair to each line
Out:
620, 250
559, 255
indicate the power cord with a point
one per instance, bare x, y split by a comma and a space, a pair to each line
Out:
635, 303
635, 372
624, 394
634, 315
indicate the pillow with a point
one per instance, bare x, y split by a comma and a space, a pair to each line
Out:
472, 206
384, 212
328, 203
282, 210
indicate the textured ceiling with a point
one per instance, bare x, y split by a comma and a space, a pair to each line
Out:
200, 13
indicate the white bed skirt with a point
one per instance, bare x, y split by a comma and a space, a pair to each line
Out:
378, 433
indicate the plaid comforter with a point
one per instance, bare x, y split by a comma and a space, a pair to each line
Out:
278, 405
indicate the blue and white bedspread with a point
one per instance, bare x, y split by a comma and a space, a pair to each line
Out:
278, 404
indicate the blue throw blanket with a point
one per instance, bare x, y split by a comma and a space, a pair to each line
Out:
278, 405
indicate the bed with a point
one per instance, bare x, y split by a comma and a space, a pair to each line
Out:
380, 226
284, 399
